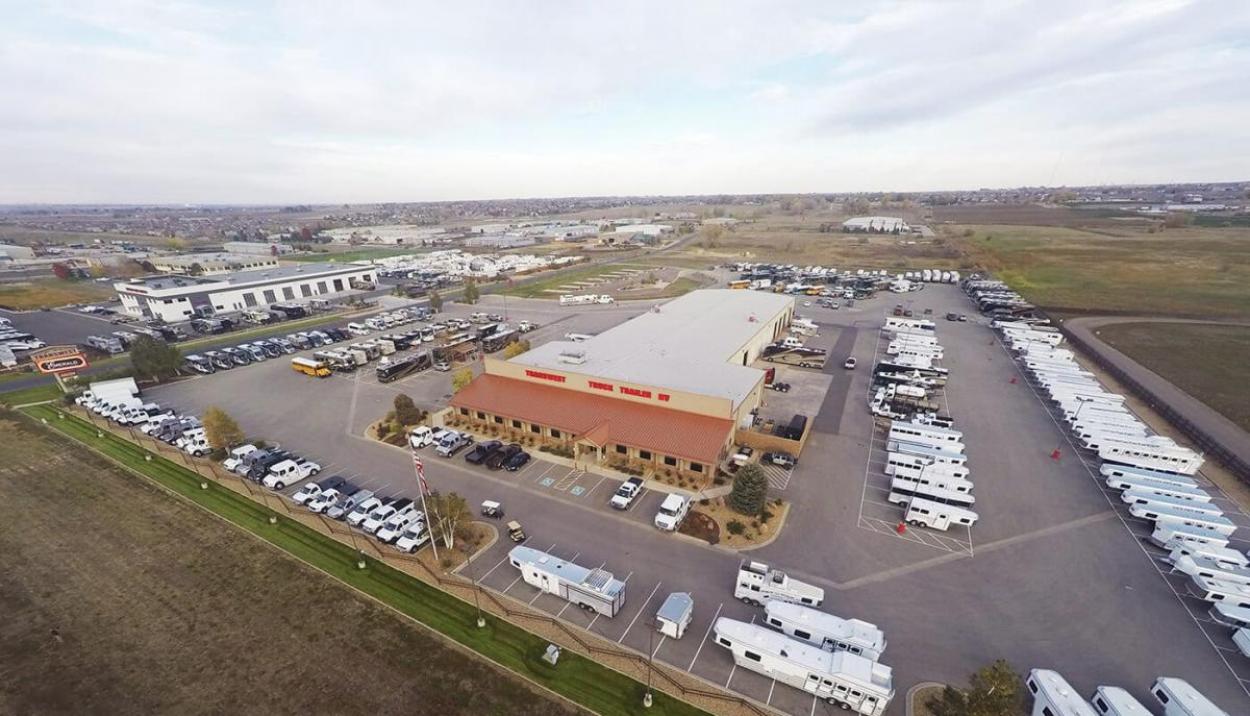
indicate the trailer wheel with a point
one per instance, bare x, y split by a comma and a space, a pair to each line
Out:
279, 486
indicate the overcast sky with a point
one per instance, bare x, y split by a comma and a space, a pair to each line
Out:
181, 101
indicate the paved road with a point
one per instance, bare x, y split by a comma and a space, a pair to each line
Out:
1052, 575
1223, 430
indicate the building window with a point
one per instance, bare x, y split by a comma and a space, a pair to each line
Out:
498, 420
516, 424
535, 429
481, 415
644, 454
670, 461
249, 300
288, 294
555, 433
305, 290
270, 297
464, 412
696, 467
622, 449
321, 287
338, 284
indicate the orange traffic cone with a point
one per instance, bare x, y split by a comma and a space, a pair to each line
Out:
902, 527
1054, 455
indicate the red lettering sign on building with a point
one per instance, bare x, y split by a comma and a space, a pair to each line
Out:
664, 397
635, 392
600, 386
545, 376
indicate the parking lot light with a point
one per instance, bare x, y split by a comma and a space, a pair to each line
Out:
148, 457
273, 519
203, 485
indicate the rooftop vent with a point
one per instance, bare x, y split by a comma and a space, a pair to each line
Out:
572, 357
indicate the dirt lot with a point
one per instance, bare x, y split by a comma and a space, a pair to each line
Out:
1207, 361
1195, 272
121, 599
53, 292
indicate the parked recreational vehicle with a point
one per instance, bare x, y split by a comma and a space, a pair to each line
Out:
1054, 696
1186, 515
915, 432
1219, 591
937, 515
903, 491
935, 484
1168, 458
1228, 615
1143, 441
1091, 437
1114, 701
1098, 396
1212, 569
838, 677
1223, 556
1138, 496
1167, 534
913, 467
593, 589
918, 325
757, 584
1180, 699
1151, 486
1111, 470
937, 455
826, 631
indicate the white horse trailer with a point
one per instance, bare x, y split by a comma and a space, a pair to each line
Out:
1228, 615
839, 677
1225, 557
1114, 701
1158, 487
593, 589
1147, 496
1169, 533
914, 467
1110, 470
937, 515
1172, 515
1212, 569
1179, 698
1168, 458
904, 491
1054, 696
757, 584
826, 631
1218, 591
925, 480
937, 455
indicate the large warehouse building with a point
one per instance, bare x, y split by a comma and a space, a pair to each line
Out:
179, 298
665, 389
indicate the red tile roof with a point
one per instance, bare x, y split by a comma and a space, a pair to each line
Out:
600, 419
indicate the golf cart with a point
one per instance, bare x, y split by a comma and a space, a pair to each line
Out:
492, 509
515, 532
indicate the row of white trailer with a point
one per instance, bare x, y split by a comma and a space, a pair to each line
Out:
1155, 476
925, 454
1054, 696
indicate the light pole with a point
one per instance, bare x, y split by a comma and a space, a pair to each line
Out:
481, 621
646, 698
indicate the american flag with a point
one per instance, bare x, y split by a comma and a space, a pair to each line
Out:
416, 462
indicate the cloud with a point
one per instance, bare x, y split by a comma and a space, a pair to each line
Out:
323, 101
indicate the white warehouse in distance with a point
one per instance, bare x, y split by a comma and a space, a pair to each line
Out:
179, 298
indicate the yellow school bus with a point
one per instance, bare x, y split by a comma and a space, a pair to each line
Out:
308, 366
739, 284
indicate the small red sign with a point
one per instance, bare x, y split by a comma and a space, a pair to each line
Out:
545, 376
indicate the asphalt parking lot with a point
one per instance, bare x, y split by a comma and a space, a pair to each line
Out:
1051, 577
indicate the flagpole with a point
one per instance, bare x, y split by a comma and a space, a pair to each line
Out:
429, 521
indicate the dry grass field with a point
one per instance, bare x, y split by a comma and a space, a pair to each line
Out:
1207, 361
119, 598
1198, 272
53, 292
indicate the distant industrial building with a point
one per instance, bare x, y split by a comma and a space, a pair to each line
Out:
387, 235
647, 229
268, 248
179, 298
11, 252
212, 264
876, 225
500, 241
665, 389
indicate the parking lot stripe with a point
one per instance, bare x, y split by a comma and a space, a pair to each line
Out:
597, 484
484, 576
771, 686
510, 586
663, 637
705, 636
640, 611
813, 711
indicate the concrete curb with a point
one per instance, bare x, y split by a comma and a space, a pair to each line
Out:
911, 694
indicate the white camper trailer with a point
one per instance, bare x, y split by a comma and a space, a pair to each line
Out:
1158, 487
937, 515
923, 481
593, 589
1112, 470
1212, 569
1054, 696
838, 677
1167, 458
1169, 533
913, 467
904, 491
1219, 592
1139, 496
826, 631
1178, 698
1171, 515
1114, 701
757, 584
1223, 556
675, 615
934, 454
1228, 615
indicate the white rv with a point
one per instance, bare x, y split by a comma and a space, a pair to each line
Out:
1218, 591
904, 491
914, 467
1158, 487
937, 515
1141, 441
1169, 533
1172, 515
1112, 470
1138, 496
1114, 701
1228, 615
826, 631
1223, 556
917, 432
1094, 396
593, 589
897, 323
924, 481
1212, 569
757, 584
1054, 696
1178, 698
838, 677
1167, 458
934, 454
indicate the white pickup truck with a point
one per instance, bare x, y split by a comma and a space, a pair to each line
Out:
626, 493
289, 472
452, 443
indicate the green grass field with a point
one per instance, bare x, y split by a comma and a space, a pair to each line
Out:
540, 288
582, 680
353, 255
1206, 361
1197, 272
52, 293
